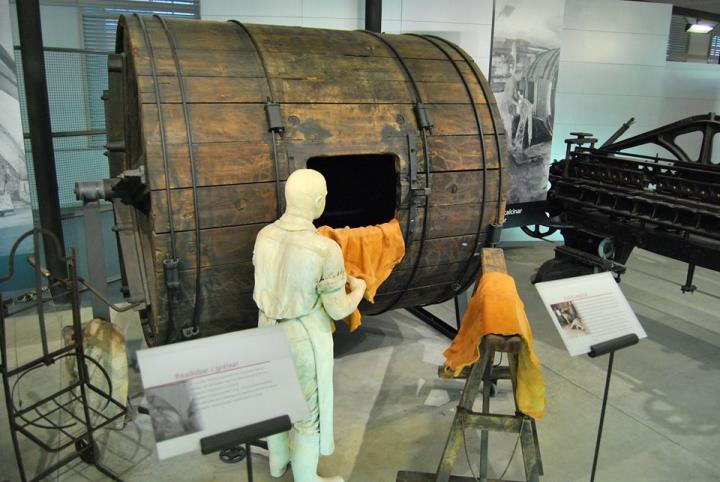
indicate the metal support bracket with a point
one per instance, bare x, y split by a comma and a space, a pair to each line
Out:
97, 275
135, 286
494, 232
412, 159
116, 62
421, 192
418, 193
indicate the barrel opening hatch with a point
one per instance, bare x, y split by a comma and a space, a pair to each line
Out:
362, 189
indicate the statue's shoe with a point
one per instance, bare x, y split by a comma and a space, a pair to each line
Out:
278, 470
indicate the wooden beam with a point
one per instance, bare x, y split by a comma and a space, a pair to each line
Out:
492, 260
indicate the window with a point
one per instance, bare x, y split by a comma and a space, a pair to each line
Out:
100, 21
715, 46
685, 47
99, 24
678, 40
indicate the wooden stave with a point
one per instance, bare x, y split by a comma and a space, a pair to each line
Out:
439, 167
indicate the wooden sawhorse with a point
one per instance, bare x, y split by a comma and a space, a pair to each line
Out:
465, 418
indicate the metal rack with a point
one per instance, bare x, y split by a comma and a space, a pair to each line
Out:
62, 422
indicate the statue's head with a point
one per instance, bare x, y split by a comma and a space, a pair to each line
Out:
305, 193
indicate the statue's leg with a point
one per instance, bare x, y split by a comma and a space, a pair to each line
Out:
305, 456
279, 448
305, 451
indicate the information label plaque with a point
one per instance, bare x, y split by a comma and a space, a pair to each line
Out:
588, 310
212, 385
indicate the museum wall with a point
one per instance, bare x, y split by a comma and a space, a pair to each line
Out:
613, 67
60, 25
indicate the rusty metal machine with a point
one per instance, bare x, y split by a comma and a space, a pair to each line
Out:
606, 199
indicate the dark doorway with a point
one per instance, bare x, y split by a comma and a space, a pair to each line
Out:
361, 189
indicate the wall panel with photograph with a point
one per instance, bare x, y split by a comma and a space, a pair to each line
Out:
15, 209
523, 75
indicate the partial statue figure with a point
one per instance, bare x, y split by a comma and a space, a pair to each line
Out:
300, 285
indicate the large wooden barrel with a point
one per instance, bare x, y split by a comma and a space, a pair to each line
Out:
218, 113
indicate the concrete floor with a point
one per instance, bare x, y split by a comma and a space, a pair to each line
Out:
392, 413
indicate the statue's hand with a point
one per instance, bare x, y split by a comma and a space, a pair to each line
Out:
340, 304
356, 284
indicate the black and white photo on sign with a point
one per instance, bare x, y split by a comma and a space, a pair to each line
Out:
523, 76
172, 410
587, 310
570, 320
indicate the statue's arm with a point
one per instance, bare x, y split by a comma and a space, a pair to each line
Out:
336, 302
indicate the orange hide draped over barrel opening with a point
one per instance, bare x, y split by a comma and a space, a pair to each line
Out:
496, 308
370, 254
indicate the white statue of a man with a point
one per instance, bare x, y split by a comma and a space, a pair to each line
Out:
300, 285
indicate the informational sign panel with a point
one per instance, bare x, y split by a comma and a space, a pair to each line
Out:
588, 310
523, 76
203, 387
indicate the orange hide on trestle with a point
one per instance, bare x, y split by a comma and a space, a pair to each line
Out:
496, 308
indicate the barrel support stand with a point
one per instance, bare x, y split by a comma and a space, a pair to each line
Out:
610, 346
97, 275
460, 304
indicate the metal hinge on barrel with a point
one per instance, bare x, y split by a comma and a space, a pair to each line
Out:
418, 192
172, 277
172, 282
275, 126
274, 117
422, 113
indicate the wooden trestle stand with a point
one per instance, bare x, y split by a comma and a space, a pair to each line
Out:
465, 418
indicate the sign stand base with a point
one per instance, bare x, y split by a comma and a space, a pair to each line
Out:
610, 346
245, 436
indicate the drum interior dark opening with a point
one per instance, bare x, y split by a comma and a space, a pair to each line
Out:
362, 189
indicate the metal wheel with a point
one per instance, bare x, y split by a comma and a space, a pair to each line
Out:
232, 455
538, 231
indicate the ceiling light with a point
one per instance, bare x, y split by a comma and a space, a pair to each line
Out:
698, 27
